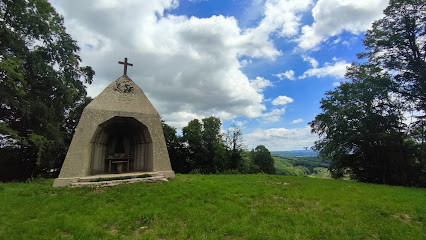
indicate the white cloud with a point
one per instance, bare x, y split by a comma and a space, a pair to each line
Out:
332, 17
181, 119
239, 124
189, 67
311, 60
297, 121
273, 116
260, 83
288, 74
284, 16
337, 70
280, 16
346, 43
281, 139
282, 100
245, 62
336, 41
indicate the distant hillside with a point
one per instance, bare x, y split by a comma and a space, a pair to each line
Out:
300, 163
296, 153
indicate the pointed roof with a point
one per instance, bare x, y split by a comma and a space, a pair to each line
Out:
125, 96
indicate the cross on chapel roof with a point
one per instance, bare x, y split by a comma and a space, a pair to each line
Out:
125, 63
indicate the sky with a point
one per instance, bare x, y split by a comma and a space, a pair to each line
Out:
262, 65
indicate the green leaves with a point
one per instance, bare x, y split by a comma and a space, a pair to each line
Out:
396, 43
203, 149
262, 158
41, 80
362, 126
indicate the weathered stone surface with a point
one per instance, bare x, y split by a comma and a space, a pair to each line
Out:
121, 110
92, 180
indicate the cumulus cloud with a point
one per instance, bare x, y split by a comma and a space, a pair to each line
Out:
282, 100
297, 121
260, 83
311, 60
281, 139
332, 17
337, 70
239, 124
283, 16
188, 67
280, 16
273, 116
288, 74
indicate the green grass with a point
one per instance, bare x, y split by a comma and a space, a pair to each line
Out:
214, 207
321, 172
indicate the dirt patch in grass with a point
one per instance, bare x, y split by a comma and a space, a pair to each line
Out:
404, 217
278, 183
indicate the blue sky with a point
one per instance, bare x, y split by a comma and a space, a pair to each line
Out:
263, 65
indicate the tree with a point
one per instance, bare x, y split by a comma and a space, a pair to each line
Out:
362, 125
397, 43
212, 143
262, 158
233, 142
203, 140
361, 129
42, 93
192, 138
202, 147
177, 153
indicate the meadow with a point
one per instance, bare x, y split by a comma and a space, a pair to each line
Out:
214, 207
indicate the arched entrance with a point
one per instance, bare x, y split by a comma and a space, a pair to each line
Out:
121, 144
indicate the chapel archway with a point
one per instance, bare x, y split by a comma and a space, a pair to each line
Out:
121, 144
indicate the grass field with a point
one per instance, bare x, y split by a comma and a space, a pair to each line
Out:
214, 207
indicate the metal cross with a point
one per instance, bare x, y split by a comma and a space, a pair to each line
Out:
125, 63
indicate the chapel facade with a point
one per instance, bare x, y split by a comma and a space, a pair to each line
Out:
119, 132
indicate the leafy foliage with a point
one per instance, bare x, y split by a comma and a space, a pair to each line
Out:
203, 149
42, 93
262, 158
397, 42
298, 166
362, 126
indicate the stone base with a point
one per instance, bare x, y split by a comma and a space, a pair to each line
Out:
63, 182
168, 174
84, 181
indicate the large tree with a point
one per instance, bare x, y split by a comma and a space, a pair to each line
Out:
192, 138
262, 158
203, 149
178, 153
203, 141
362, 126
42, 92
212, 143
362, 131
397, 43
234, 145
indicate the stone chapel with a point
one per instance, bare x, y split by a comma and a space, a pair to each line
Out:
119, 133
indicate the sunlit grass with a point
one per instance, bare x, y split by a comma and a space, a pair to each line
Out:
214, 207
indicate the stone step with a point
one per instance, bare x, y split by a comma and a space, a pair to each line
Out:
133, 174
158, 178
